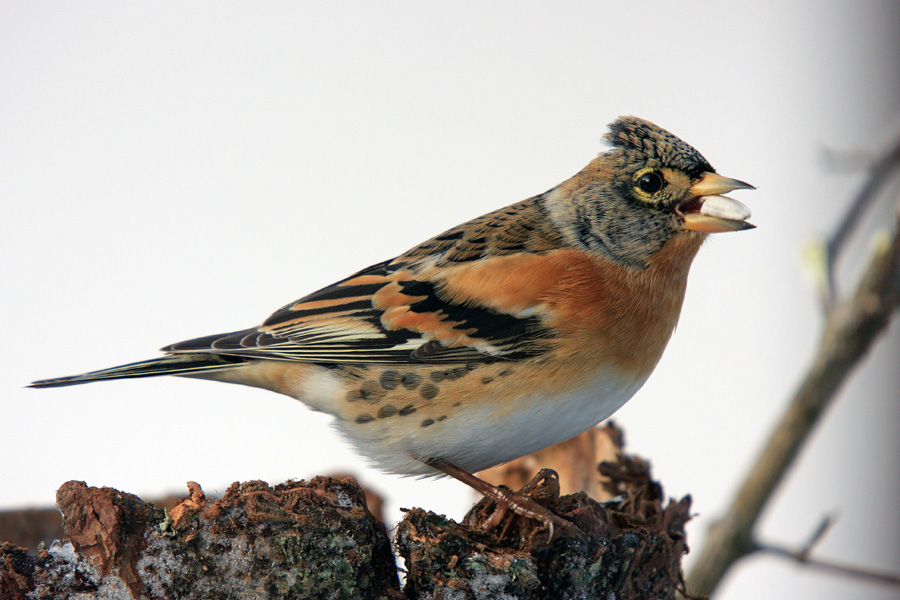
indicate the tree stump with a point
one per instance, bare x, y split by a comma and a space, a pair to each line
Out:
318, 539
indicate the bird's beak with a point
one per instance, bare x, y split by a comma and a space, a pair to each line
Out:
708, 211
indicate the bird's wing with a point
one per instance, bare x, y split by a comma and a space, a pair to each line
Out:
384, 314
439, 302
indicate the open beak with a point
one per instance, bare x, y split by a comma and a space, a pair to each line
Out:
707, 210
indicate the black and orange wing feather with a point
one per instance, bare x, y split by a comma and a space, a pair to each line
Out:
399, 311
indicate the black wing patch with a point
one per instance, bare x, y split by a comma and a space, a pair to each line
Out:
341, 324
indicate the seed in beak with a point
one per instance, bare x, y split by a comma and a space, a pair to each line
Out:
723, 207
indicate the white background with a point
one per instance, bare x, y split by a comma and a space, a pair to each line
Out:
171, 170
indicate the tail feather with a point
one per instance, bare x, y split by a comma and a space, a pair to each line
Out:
179, 364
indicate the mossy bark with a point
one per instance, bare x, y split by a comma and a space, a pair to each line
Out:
318, 539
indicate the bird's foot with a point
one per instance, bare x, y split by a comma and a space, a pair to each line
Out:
518, 502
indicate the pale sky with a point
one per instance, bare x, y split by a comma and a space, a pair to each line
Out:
171, 170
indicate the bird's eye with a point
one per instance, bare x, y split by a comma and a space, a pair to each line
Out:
651, 182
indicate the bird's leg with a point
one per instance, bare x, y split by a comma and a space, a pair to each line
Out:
518, 503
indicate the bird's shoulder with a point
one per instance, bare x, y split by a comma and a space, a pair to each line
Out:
521, 228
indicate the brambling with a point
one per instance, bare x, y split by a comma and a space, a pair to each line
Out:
504, 335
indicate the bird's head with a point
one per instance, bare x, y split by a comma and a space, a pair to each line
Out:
648, 188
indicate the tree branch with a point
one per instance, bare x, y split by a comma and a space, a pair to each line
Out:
880, 173
850, 329
833, 567
803, 556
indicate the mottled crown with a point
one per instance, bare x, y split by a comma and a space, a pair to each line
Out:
644, 142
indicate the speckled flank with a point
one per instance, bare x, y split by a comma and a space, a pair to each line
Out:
402, 392
390, 380
453, 373
388, 410
429, 391
411, 380
371, 391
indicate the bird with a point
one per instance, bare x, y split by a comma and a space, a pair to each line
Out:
506, 334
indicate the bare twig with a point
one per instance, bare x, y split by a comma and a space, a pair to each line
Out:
850, 329
803, 556
819, 532
833, 567
881, 171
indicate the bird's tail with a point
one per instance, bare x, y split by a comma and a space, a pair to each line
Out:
173, 364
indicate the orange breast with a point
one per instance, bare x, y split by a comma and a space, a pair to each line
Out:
601, 310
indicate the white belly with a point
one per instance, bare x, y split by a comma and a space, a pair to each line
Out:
486, 436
